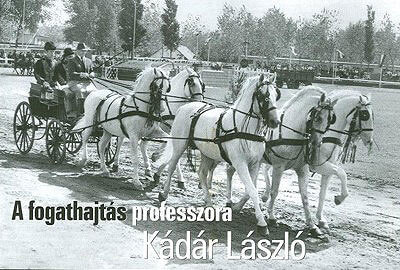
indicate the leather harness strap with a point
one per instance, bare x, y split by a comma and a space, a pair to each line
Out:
332, 140
195, 118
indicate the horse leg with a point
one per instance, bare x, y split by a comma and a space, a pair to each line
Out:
230, 170
177, 148
267, 180
205, 166
303, 175
143, 149
322, 223
104, 140
247, 178
85, 137
254, 174
211, 174
277, 172
134, 141
343, 182
117, 151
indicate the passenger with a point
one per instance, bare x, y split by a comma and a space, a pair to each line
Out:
44, 67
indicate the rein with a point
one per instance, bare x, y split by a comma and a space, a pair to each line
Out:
296, 142
351, 133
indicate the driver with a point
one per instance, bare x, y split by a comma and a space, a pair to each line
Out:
80, 70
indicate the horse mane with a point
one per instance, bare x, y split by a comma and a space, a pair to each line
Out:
306, 91
142, 78
249, 83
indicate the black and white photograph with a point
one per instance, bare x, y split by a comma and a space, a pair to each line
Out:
199, 134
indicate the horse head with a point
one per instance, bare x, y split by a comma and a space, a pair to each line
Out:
193, 85
266, 96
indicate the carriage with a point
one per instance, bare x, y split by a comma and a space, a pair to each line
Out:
293, 78
44, 116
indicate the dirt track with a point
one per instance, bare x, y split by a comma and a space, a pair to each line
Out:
365, 229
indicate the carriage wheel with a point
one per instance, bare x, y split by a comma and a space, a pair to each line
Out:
111, 150
73, 142
24, 127
55, 141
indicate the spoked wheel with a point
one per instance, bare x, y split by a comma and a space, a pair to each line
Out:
55, 141
111, 150
73, 142
24, 127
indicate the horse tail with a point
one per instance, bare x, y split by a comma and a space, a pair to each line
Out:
166, 155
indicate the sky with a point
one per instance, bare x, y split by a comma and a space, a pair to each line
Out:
208, 10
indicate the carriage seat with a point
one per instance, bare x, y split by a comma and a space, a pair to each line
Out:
36, 91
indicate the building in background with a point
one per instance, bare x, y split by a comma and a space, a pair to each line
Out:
182, 52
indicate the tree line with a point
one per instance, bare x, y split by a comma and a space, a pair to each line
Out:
107, 26
274, 34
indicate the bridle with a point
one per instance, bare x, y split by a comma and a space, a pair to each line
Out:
359, 115
190, 82
263, 100
314, 112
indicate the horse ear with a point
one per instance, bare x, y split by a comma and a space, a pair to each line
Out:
322, 99
261, 79
155, 72
275, 75
369, 96
333, 103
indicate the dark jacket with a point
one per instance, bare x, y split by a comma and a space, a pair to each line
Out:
60, 72
44, 71
77, 65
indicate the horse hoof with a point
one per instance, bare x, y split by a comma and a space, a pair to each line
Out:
147, 172
154, 157
338, 200
199, 186
316, 232
156, 179
181, 185
272, 222
161, 197
228, 204
114, 168
262, 230
81, 163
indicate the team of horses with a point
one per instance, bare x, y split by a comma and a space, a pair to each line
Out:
308, 133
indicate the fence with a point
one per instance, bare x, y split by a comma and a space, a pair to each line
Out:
6, 62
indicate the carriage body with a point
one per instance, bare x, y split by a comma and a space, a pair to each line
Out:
45, 117
293, 78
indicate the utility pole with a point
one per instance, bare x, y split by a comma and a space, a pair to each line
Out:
23, 24
197, 45
134, 30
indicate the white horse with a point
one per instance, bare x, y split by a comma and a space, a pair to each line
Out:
134, 115
354, 121
186, 86
349, 106
304, 119
226, 134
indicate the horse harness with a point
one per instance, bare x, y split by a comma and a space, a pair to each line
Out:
305, 142
359, 115
234, 133
153, 115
